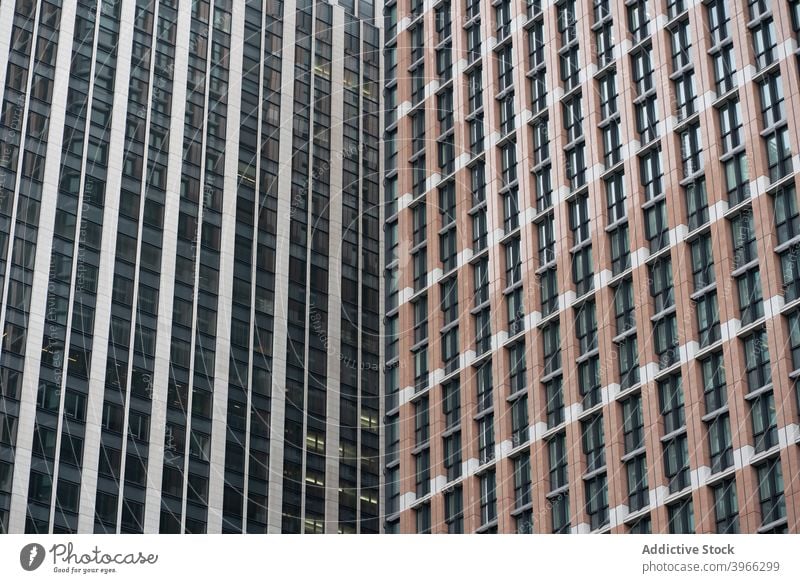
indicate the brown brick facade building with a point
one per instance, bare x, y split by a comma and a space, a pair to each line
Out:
593, 278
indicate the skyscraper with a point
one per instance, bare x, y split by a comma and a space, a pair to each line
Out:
592, 272
186, 344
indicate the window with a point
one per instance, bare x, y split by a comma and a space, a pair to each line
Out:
547, 240
583, 270
421, 369
576, 166
589, 382
773, 110
551, 345
557, 455
604, 40
744, 240
671, 403
554, 398
714, 389
541, 142
624, 310
764, 43
448, 250
650, 174
522, 480
422, 516
708, 319
787, 217
726, 507
573, 118
665, 338
661, 287
586, 327
642, 72
765, 423
641, 526
620, 250
507, 114
793, 322
681, 517
638, 494
488, 498
632, 423
730, 122
615, 197
608, 95
719, 439
560, 513
423, 470
479, 230
779, 153
628, 363
702, 263
517, 369
452, 456
691, 150
486, 439
676, 463
770, 492
420, 319
656, 226
510, 210
757, 362
548, 285
751, 307
569, 62
421, 425
724, 69
594, 443
451, 403
505, 68
481, 281
519, 421
597, 501
684, 96
696, 203
483, 331
681, 44
454, 511
638, 17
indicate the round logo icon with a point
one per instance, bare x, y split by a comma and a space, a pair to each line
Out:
31, 556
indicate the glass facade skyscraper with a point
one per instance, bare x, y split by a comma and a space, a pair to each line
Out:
189, 252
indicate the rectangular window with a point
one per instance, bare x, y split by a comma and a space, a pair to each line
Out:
597, 501
632, 423
557, 455
676, 463
770, 492
713, 372
726, 507
719, 441
554, 400
638, 494
594, 443
522, 480
670, 393
486, 439
488, 498
765, 422
757, 362
681, 517
454, 511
